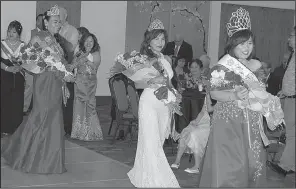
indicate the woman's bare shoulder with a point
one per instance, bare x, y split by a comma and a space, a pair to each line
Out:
255, 64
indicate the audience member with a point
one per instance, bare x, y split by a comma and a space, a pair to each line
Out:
274, 82
179, 48
206, 61
287, 161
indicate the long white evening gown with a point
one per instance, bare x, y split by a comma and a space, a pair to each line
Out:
151, 168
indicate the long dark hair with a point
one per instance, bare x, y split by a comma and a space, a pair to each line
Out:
96, 46
237, 38
197, 61
148, 37
83, 30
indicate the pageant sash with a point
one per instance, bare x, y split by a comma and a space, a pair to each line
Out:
234, 65
9, 54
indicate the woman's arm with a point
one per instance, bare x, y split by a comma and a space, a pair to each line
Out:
226, 95
96, 61
3, 66
223, 96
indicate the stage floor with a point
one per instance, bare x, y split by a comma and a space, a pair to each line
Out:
85, 168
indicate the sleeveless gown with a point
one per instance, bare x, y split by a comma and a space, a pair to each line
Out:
37, 146
151, 168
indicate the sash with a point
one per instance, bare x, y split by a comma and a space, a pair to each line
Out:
46, 41
234, 65
9, 54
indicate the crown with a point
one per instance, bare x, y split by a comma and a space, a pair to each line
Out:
54, 11
155, 24
239, 20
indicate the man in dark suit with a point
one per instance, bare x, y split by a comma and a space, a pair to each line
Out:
274, 81
179, 48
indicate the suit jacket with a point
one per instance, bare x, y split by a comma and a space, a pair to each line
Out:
274, 81
185, 50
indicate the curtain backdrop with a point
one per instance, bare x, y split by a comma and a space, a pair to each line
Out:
270, 26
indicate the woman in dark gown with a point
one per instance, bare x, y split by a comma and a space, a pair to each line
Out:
12, 80
236, 154
37, 146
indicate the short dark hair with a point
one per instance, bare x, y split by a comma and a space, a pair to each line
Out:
197, 61
148, 37
237, 38
17, 26
39, 15
96, 46
83, 30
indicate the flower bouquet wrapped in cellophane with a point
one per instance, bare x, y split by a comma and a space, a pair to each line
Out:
37, 57
259, 99
139, 69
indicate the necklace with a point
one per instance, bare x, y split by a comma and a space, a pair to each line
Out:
12, 44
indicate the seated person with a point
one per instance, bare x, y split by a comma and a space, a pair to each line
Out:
193, 78
179, 73
192, 96
195, 137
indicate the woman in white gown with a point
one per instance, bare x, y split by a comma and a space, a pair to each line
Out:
151, 168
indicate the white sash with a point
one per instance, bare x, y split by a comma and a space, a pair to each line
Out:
234, 65
7, 53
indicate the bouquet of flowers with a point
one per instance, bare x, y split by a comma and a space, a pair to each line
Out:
137, 68
259, 100
35, 59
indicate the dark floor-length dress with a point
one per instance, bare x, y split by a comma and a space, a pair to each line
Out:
235, 154
37, 146
12, 98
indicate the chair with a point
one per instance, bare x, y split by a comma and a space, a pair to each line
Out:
124, 108
277, 141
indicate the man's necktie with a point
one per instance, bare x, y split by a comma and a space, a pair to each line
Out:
176, 50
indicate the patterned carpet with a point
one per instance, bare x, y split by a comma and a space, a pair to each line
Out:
123, 152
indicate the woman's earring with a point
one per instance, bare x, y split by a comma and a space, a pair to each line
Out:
149, 47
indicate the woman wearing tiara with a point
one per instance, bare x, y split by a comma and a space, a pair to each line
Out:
37, 146
235, 156
151, 168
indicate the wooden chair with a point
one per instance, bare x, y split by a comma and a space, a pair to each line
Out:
124, 103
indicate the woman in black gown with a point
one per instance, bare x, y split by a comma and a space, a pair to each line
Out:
12, 80
37, 146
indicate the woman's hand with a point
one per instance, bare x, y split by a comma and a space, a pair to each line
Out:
69, 78
13, 69
69, 67
280, 94
242, 94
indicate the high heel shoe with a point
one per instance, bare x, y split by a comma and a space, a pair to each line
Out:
188, 170
175, 166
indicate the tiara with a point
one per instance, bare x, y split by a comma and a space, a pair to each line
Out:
54, 11
239, 20
155, 24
